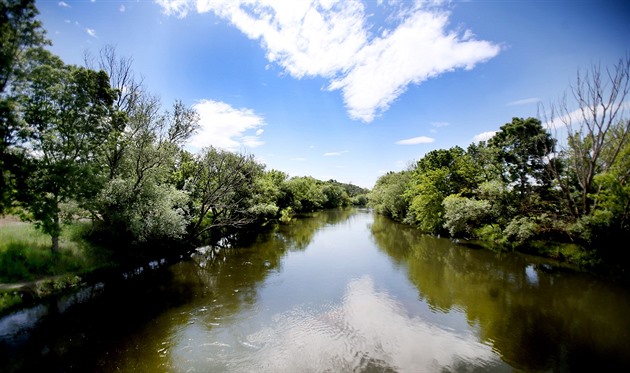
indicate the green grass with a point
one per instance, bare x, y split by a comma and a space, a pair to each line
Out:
26, 255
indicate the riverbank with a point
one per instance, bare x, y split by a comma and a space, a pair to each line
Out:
30, 272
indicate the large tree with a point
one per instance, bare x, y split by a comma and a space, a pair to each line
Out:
19, 31
523, 150
222, 189
69, 112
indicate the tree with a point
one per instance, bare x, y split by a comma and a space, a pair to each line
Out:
523, 147
222, 191
305, 193
69, 110
19, 31
140, 198
387, 195
438, 174
132, 100
597, 131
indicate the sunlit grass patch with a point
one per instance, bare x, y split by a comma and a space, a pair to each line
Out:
25, 252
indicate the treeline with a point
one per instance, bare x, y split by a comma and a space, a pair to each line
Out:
526, 189
92, 142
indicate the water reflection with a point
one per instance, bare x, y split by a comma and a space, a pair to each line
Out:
369, 330
222, 287
336, 291
536, 316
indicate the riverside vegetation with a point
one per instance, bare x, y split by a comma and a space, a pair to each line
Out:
90, 147
564, 195
95, 162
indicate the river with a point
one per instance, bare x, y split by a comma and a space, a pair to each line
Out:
336, 291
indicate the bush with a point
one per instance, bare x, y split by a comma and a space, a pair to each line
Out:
462, 215
521, 229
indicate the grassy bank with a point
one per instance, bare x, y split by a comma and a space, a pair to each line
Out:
28, 263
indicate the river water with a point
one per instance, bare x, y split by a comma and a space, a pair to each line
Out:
337, 291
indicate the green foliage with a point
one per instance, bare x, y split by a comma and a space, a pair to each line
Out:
462, 215
305, 194
147, 212
492, 234
20, 31
438, 174
286, 215
361, 200
426, 194
9, 299
335, 194
70, 110
521, 229
387, 198
223, 192
523, 146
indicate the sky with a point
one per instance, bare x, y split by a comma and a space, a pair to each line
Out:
347, 90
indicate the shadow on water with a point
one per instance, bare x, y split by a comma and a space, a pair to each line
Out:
536, 317
97, 327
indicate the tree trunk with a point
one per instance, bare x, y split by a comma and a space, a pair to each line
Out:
55, 244
55, 235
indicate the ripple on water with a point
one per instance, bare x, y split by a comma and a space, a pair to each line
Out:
367, 330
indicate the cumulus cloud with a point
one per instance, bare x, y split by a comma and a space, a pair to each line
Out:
226, 127
91, 32
485, 136
334, 40
416, 140
63, 4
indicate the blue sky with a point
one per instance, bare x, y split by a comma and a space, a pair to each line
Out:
347, 90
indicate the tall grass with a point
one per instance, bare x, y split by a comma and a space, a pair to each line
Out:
25, 252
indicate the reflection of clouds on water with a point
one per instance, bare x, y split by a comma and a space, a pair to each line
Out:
368, 330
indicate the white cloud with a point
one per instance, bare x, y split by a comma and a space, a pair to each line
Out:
226, 127
485, 136
91, 32
179, 8
63, 4
525, 101
122, 9
416, 140
335, 154
576, 117
332, 39
439, 124
298, 159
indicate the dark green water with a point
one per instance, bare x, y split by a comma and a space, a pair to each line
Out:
340, 291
